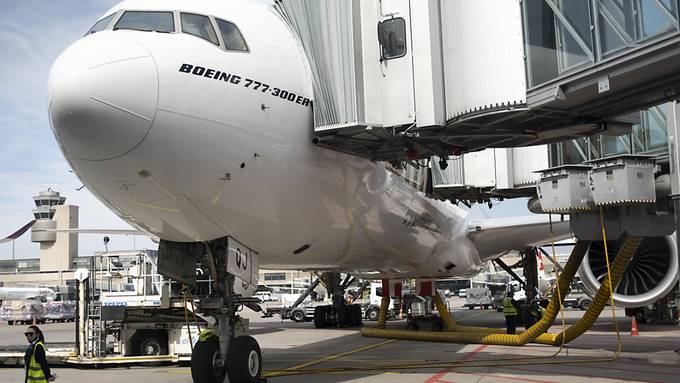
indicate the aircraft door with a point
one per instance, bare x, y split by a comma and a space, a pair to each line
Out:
396, 64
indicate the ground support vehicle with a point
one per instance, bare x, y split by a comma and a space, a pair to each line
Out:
25, 311
147, 323
370, 310
427, 322
479, 297
303, 313
421, 314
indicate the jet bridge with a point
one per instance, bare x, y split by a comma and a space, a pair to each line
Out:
407, 79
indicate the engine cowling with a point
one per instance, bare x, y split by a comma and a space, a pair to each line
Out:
651, 274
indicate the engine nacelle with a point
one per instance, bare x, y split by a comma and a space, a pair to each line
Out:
651, 274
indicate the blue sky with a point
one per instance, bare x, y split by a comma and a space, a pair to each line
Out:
32, 34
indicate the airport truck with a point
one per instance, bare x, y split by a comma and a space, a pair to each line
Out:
371, 309
285, 307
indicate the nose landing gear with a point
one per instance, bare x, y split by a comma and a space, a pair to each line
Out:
227, 354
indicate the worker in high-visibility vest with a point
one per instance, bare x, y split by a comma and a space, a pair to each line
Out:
510, 312
37, 369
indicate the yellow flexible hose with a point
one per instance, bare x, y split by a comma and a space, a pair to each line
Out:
622, 260
382, 316
467, 334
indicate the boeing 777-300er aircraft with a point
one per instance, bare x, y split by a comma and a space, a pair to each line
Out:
192, 121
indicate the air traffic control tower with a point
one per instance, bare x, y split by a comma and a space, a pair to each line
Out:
57, 249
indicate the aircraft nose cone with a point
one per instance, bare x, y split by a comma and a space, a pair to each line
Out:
103, 91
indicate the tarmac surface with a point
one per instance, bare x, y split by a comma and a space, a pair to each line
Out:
297, 352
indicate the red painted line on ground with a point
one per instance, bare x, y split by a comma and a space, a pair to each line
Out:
571, 373
436, 378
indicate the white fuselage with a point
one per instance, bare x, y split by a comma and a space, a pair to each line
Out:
188, 154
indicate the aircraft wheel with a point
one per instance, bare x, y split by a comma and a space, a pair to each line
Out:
244, 361
356, 315
203, 369
10, 322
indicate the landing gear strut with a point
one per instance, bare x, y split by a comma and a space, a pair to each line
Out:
225, 355
339, 314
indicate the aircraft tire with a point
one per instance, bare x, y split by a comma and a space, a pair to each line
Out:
203, 369
320, 317
356, 315
244, 361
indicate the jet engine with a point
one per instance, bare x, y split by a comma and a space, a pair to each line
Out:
651, 274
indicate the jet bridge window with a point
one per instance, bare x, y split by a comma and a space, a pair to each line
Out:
233, 40
392, 38
101, 24
199, 25
146, 21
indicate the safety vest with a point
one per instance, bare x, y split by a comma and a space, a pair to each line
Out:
508, 307
35, 372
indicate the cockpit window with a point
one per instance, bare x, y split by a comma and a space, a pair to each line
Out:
233, 40
146, 21
200, 26
101, 24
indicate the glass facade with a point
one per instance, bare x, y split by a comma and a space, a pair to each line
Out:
562, 36
647, 137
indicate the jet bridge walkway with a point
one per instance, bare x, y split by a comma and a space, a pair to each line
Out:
410, 79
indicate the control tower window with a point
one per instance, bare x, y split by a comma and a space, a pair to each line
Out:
146, 21
101, 24
200, 26
233, 40
392, 38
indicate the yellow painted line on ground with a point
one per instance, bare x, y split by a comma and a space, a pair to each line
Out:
339, 355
